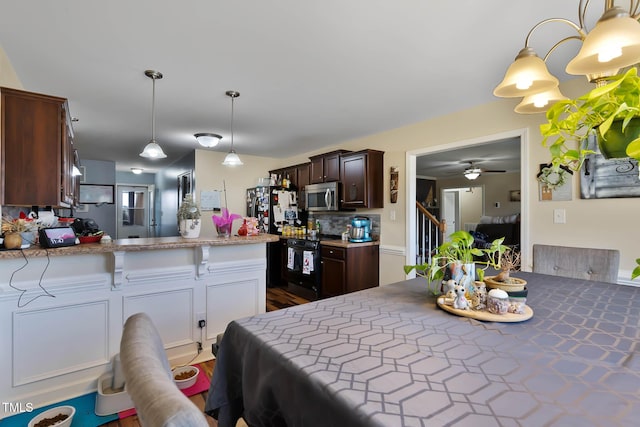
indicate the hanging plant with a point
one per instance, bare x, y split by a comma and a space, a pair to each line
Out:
570, 122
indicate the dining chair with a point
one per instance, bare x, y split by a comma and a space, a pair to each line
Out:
578, 263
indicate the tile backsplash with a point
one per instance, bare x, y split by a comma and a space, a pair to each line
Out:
336, 223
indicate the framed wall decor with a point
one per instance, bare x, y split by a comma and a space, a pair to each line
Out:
554, 185
602, 178
514, 196
96, 193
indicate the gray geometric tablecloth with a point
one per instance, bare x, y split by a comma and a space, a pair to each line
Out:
390, 357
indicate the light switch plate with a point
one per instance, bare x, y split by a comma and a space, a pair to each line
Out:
559, 216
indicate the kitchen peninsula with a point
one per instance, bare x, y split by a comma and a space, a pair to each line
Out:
62, 309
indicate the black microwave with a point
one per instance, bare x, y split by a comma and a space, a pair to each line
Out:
322, 197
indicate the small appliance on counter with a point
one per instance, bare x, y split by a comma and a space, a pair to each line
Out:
360, 230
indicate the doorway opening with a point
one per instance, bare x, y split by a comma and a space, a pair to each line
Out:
519, 137
135, 211
462, 208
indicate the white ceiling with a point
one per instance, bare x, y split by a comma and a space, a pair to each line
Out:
310, 73
503, 155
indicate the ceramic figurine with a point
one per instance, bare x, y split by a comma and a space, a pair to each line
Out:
460, 302
479, 297
449, 293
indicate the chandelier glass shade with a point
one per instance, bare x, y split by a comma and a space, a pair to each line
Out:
527, 75
613, 43
539, 102
153, 150
208, 140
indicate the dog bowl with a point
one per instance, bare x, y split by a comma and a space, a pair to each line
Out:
51, 415
185, 376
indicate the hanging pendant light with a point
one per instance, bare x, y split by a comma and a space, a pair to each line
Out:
152, 150
232, 158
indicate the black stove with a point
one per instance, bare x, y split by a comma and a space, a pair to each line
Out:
303, 267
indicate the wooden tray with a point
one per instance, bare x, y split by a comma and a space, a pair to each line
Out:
487, 316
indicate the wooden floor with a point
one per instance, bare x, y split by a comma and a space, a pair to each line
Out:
277, 298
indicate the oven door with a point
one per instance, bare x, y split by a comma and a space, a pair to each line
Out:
303, 264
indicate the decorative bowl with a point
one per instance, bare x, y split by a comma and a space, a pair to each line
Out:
69, 411
514, 284
182, 378
90, 239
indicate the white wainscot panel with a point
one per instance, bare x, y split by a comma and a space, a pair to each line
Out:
171, 312
58, 340
231, 300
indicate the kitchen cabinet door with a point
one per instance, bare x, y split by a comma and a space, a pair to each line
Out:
362, 177
350, 269
37, 155
326, 167
334, 271
303, 181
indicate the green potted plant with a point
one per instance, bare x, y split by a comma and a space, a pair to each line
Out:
459, 253
189, 218
612, 111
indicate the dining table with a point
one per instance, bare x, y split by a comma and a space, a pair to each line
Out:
390, 356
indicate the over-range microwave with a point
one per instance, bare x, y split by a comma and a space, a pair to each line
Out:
322, 197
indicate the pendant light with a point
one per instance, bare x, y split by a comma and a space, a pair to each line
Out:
152, 150
232, 158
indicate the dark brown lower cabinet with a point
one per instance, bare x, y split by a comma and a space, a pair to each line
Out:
350, 269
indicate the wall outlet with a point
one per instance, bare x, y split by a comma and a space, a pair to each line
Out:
201, 317
392, 215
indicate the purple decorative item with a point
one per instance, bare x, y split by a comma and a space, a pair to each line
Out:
224, 222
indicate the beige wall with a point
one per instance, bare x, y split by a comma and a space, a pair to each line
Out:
210, 174
8, 76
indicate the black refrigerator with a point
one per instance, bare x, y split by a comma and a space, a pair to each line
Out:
273, 206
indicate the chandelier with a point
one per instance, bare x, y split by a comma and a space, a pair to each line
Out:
613, 43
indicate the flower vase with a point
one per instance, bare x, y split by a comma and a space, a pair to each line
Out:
28, 238
190, 228
224, 231
464, 274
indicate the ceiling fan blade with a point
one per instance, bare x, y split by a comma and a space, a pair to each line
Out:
493, 171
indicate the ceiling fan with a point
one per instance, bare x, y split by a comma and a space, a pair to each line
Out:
473, 172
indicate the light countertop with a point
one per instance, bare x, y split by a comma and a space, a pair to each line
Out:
143, 244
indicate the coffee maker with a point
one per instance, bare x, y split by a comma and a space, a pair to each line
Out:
360, 229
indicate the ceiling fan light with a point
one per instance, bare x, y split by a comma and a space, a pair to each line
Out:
153, 151
527, 75
208, 140
539, 102
471, 174
136, 171
614, 43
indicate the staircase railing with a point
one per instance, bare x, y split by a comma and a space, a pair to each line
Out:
430, 233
